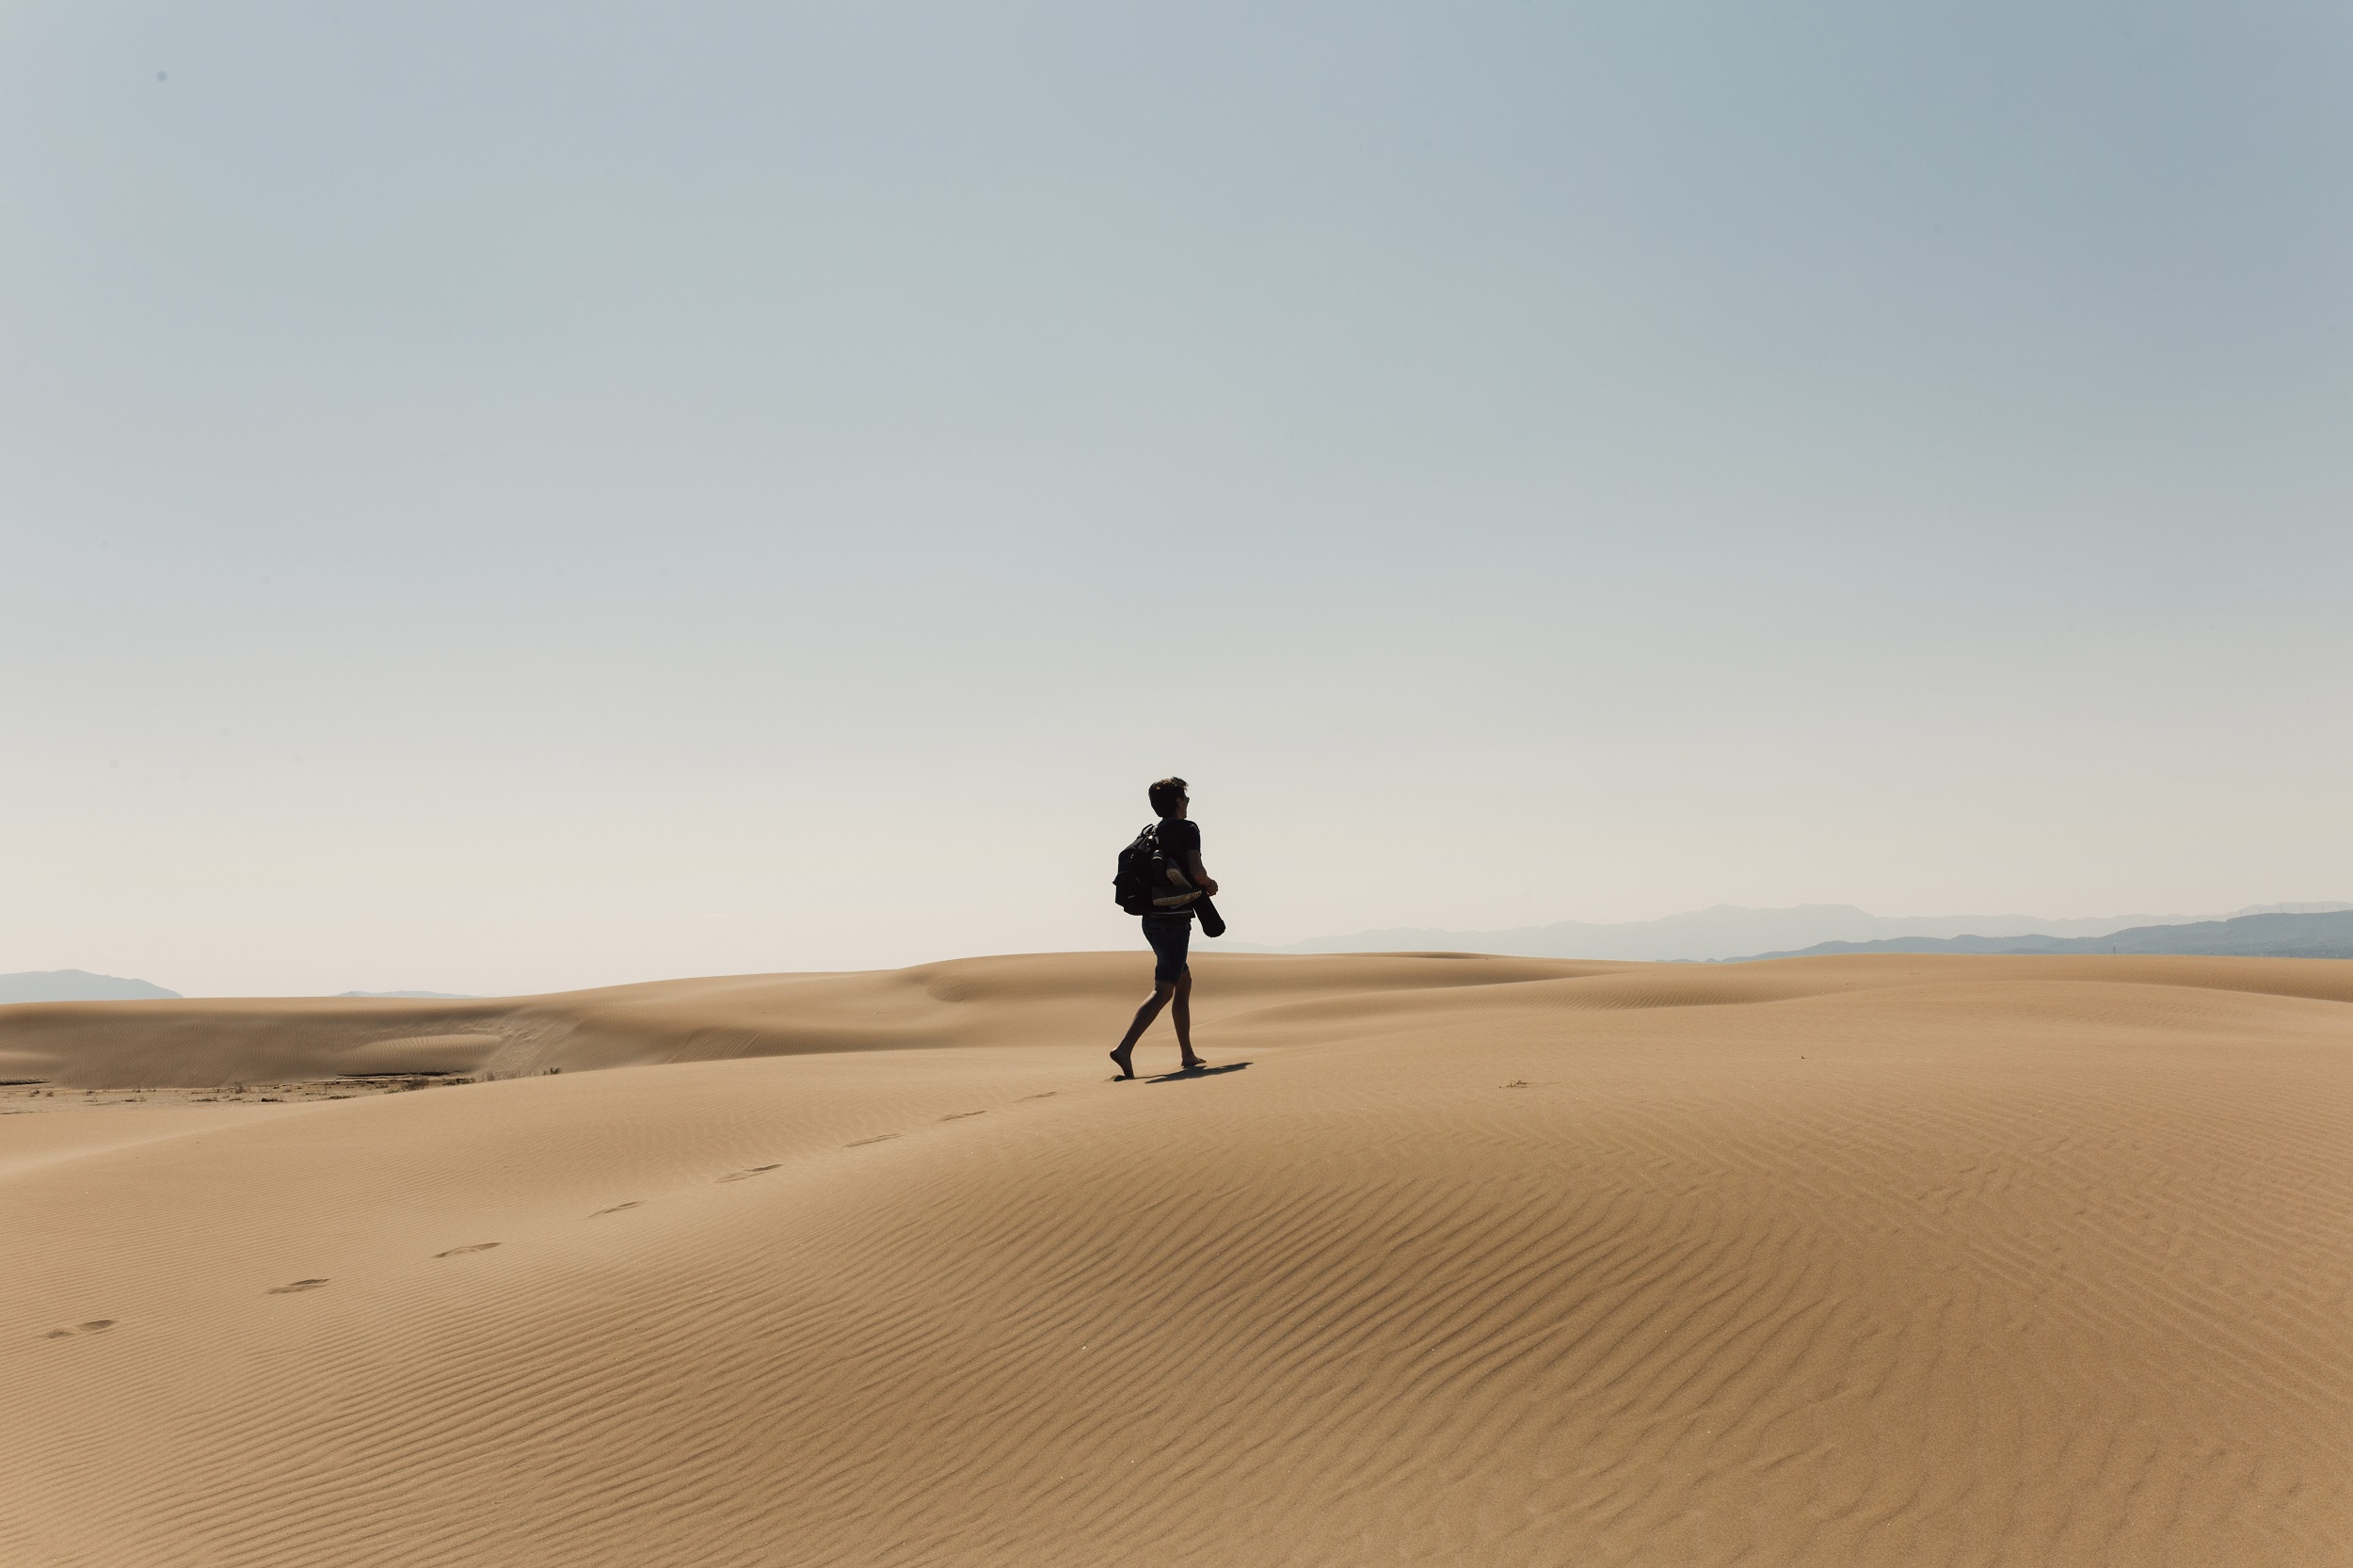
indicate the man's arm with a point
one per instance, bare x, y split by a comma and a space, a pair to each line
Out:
1201, 878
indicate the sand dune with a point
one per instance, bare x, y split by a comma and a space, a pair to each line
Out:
1904, 1261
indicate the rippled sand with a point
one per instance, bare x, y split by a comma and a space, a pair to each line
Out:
1894, 1260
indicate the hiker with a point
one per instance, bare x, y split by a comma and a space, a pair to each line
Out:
1162, 880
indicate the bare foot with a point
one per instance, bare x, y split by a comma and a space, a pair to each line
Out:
1120, 1060
1192, 1064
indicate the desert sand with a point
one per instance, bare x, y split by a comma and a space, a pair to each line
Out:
1901, 1260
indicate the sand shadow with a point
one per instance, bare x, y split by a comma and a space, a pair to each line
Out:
1184, 1075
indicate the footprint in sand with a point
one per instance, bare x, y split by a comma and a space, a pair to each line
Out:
962, 1114
863, 1142
454, 1252
616, 1208
739, 1176
1049, 1095
96, 1325
297, 1285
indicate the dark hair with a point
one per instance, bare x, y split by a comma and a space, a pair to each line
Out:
1167, 794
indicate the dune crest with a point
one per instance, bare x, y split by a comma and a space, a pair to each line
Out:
1458, 1259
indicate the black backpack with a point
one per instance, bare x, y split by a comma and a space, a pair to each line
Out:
1142, 874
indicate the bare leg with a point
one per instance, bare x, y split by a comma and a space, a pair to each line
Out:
1122, 1053
1182, 1018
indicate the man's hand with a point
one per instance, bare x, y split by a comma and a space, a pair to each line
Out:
1208, 885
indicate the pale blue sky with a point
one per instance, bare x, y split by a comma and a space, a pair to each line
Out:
504, 497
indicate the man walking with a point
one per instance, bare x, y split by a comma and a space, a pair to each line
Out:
1169, 925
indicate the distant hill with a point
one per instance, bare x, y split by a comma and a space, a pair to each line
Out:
2327, 934
77, 985
1729, 931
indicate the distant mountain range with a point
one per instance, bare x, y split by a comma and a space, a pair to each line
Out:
1725, 933
2325, 935
1731, 932
77, 985
81, 985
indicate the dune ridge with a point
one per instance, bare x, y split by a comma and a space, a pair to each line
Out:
1885, 1259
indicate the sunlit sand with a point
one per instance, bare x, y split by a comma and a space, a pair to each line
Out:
1450, 1260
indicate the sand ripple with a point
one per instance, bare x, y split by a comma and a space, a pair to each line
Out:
1877, 1260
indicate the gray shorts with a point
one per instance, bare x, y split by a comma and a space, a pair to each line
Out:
1169, 935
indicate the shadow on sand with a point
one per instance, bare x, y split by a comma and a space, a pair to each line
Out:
1184, 1075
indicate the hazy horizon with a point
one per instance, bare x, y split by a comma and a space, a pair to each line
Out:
1713, 935
509, 501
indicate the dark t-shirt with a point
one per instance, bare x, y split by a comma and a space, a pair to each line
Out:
1180, 841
